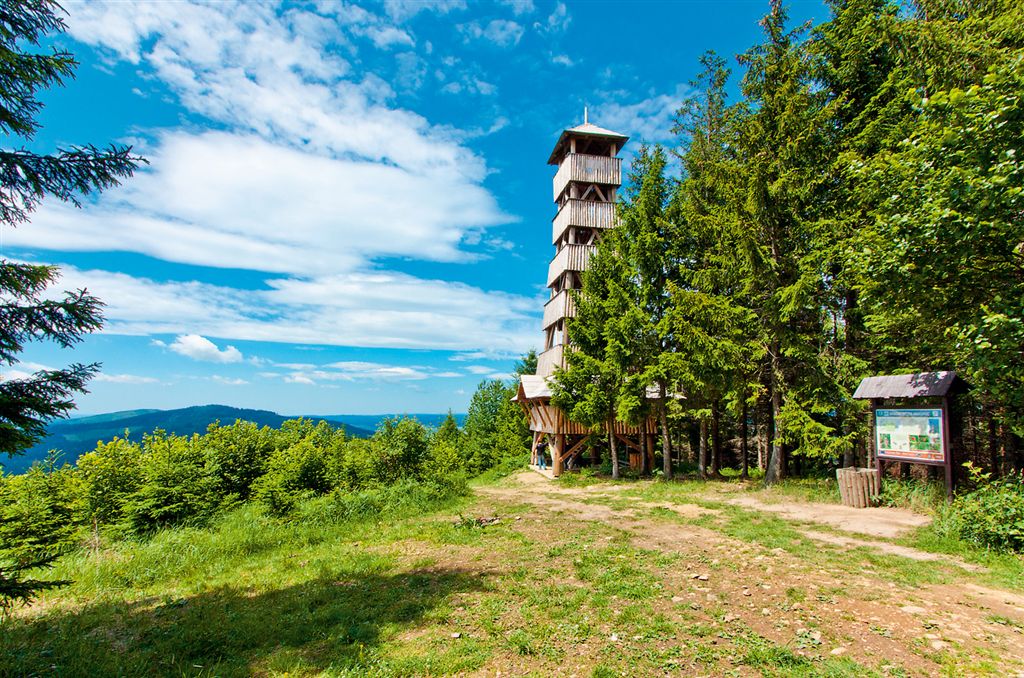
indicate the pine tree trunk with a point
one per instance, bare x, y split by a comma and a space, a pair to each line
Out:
702, 448
743, 441
613, 444
776, 467
763, 429
666, 441
716, 440
644, 466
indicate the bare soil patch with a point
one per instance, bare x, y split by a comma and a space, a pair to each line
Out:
876, 522
886, 547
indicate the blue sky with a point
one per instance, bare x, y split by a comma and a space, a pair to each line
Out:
347, 207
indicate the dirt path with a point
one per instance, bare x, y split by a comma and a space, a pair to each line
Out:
795, 600
876, 522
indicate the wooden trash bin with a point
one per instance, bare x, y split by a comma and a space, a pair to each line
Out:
857, 486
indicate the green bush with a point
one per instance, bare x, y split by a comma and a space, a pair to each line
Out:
36, 518
397, 449
992, 515
176, 486
238, 455
404, 498
293, 473
443, 465
106, 477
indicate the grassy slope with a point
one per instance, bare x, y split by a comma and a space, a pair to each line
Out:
529, 595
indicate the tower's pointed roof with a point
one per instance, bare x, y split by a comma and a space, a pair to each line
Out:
583, 131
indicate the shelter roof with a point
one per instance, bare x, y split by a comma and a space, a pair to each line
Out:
533, 386
587, 129
920, 385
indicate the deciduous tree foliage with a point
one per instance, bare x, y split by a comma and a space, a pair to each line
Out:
26, 178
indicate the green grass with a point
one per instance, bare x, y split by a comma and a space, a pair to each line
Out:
249, 594
418, 587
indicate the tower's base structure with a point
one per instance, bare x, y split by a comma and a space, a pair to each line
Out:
585, 185
573, 445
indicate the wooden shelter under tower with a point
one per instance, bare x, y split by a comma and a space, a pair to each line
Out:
585, 189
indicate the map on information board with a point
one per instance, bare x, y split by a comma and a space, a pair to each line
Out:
909, 435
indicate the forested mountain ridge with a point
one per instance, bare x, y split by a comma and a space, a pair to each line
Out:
75, 437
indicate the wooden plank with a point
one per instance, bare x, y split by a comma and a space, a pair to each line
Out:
569, 452
628, 442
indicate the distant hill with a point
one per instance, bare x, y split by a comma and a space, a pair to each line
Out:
371, 421
75, 437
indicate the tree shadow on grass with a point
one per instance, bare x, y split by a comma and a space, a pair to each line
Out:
323, 624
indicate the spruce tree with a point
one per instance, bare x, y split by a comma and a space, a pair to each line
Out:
26, 313
779, 149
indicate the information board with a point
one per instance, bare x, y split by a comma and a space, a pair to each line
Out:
910, 435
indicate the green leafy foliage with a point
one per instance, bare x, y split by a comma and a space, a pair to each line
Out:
106, 478
991, 515
176, 484
495, 432
36, 526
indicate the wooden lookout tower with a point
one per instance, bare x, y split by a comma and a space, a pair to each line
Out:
588, 177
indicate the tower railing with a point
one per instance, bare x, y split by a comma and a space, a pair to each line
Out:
582, 213
591, 169
559, 306
569, 258
549, 360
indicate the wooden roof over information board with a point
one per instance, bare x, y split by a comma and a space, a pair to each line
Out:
920, 385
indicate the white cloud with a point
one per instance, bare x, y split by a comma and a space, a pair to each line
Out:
488, 354
411, 72
402, 10
228, 381
125, 379
557, 22
563, 60
350, 371
388, 36
373, 309
519, 7
650, 119
479, 369
200, 348
500, 32
313, 171
221, 199
30, 368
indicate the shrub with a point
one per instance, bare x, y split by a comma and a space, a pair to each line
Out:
292, 473
106, 478
177, 485
381, 502
238, 455
35, 513
36, 526
397, 449
443, 465
351, 465
992, 515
